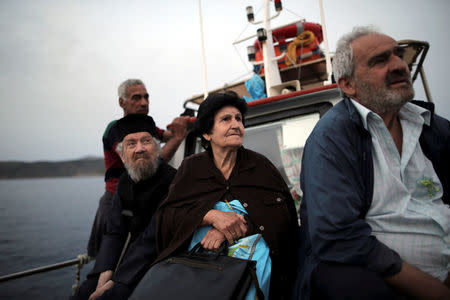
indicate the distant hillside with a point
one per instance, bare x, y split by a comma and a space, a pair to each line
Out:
81, 167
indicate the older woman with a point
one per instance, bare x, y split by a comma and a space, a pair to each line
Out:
228, 173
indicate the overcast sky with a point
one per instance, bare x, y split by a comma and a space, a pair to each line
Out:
61, 61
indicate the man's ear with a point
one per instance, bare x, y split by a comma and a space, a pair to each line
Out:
348, 86
121, 102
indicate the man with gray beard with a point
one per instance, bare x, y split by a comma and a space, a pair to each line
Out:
128, 245
375, 220
133, 99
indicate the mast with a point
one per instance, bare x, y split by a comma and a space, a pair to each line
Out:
205, 84
325, 41
271, 71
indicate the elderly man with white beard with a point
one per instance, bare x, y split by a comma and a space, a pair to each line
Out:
375, 220
133, 99
128, 247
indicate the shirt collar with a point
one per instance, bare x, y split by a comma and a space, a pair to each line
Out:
408, 111
414, 113
362, 111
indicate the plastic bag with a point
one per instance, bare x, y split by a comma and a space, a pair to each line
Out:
251, 247
256, 88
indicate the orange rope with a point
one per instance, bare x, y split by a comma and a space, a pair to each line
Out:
303, 39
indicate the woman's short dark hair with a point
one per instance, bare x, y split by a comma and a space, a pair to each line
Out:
208, 109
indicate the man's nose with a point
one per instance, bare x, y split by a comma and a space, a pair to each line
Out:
143, 101
139, 148
397, 63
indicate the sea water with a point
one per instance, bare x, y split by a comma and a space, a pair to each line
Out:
43, 222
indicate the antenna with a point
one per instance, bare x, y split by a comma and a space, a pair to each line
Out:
325, 41
264, 34
205, 83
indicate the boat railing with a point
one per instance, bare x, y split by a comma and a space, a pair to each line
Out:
80, 261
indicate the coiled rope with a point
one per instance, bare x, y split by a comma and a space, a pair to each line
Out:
82, 260
303, 39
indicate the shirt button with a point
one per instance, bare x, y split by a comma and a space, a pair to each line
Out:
228, 187
261, 228
245, 204
278, 199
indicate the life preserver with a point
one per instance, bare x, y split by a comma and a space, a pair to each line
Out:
287, 35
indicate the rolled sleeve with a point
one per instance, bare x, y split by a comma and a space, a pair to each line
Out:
383, 260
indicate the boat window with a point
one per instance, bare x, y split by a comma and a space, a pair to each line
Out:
282, 143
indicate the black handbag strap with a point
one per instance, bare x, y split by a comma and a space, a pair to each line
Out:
198, 248
195, 249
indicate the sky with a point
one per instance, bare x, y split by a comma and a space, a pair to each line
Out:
62, 61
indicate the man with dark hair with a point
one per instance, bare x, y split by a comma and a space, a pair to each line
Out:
128, 246
133, 99
375, 220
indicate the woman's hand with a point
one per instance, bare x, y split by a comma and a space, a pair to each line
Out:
231, 224
213, 239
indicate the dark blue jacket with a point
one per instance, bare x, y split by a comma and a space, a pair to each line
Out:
337, 183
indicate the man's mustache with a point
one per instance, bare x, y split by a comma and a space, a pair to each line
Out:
397, 76
137, 156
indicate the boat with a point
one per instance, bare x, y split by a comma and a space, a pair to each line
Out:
277, 125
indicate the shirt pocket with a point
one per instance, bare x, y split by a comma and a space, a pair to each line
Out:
427, 186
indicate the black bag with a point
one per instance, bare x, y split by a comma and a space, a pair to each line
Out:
198, 275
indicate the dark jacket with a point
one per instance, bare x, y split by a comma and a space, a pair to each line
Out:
142, 199
257, 184
337, 182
